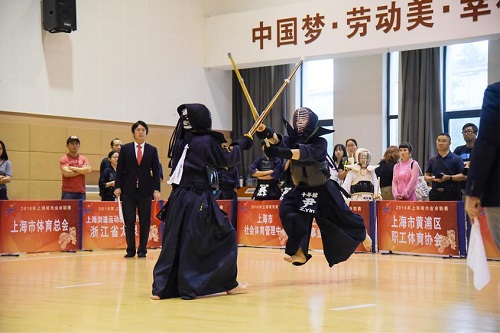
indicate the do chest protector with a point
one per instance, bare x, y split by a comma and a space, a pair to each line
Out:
309, 173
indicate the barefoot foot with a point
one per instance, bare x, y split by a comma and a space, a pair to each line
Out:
367, 243
298, 258
155, 298
239, 289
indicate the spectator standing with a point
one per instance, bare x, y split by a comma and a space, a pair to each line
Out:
337, 171
116, 146
469, 132
74, 167
137, 181
405, 175
483, 180
444, 172
385, 171
351, 146
5, 171
107, 179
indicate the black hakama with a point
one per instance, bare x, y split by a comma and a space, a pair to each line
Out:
199, 247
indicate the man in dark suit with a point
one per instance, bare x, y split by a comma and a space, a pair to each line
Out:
137, 181
483, 179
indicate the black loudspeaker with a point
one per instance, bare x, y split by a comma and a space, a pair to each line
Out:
59, 15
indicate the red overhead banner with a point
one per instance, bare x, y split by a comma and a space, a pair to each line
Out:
426, 227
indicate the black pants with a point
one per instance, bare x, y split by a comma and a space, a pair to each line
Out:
3, 194
143, 205
441, 194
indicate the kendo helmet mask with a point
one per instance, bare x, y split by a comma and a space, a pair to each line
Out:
363, 156
196, 117
304, 121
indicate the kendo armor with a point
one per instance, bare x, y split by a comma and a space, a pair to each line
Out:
309, 173
304, 121
266, 165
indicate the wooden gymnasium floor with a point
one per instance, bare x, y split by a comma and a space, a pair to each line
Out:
101, 291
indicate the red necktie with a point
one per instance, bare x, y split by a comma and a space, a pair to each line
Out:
139, 154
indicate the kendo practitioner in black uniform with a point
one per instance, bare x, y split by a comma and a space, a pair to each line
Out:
268, 172
314, 194
229, 182
199, 250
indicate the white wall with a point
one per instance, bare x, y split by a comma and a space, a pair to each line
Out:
128, 60
136, 59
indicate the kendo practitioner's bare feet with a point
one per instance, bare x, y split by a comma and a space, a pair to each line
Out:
155, 298
239, 289
299, 258
282, 237
367, 243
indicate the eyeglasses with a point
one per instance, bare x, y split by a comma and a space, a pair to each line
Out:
468, 132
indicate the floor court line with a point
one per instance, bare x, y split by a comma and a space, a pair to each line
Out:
78, 285
344, 308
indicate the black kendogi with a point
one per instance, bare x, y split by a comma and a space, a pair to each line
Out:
199, 250
267, 189
314, 194
229, 180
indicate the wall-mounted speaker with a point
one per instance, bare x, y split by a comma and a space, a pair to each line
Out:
59, 15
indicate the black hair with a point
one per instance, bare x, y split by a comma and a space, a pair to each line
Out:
111, 153
474, 127
140, 122
444, 134
344, 150
353, 140
113, 141
406, 145
4, 155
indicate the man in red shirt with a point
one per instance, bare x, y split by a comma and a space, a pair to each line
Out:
74, 167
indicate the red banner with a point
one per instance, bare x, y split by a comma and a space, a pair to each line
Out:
102, 229
39, 226
490, 247
259, 223
426, 227
227, 207
363, 208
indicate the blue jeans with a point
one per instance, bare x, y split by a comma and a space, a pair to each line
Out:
73, 196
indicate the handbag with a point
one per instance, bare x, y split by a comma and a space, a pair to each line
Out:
422, 189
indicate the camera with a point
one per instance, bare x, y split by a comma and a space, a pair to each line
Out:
440, 176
